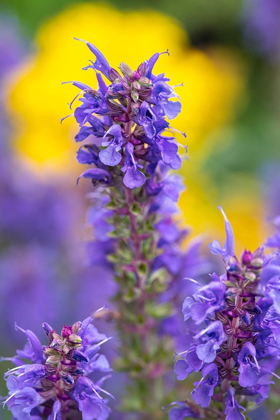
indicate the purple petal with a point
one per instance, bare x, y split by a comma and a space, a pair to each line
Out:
97, 174
110, 156
101, 63
134, 178
182, 370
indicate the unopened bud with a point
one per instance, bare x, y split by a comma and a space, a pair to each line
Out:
134, 95
74, 338
113, 75
250, 276
126, 70
53, 360
257, 262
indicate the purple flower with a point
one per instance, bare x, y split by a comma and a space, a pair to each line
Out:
56, 411
22, 402
101, 64
215, 337
23, 376
133, 177
227, 250
232, 407
249, 371
33, 348
272, 289
205, 387
211, 299
111, 155
90, 404
191, 363
181, 411
97, 176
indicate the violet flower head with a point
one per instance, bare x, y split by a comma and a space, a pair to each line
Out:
56, 381
126, 120
241, 313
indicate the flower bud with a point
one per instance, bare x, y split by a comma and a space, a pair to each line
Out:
74, 338
126, 70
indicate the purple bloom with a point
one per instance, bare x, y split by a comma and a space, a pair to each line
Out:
90, 404
181, 411
56, 411
249, 371
227, 250
23, 401
205, 387
191, 363
232, 407
111, 155
133, 178
101, 64
215, 337
272, 289
211, 299
33, 349
97, 176
182, 370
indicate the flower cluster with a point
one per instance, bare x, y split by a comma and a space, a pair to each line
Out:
236, 317
127, 120
56, 385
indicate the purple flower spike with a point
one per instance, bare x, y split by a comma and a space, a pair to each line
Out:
133, 177
215, 337
249, 372
205, 387
228, 249
232, 408
134, 109
241, 309
36, 390
111, 155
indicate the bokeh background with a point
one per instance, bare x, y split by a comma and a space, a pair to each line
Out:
227, 55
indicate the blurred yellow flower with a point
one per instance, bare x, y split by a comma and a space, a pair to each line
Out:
208, 96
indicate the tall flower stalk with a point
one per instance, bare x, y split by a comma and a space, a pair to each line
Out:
236, 336
131, 149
